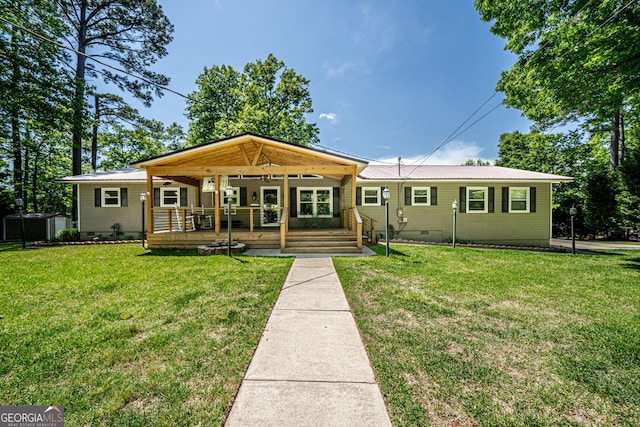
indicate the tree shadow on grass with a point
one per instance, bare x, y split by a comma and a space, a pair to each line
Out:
632, 263
188, 253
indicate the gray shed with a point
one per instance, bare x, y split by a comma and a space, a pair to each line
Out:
37, 226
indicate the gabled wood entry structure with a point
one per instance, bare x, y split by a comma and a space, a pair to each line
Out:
264, 163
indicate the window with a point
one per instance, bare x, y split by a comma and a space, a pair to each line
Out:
111, 197
420, 196
477, 199
370, 196
519, 199
235, 199
315, 202
169, 196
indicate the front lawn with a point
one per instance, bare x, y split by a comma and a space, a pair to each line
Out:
479, 337
120, 335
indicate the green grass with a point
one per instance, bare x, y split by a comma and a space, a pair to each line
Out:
501, 338
119, 335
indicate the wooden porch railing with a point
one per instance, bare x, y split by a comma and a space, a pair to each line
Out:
368, 224
164, 219
358, 226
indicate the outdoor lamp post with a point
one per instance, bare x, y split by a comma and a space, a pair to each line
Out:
454, 207
20, 206
573, 211
143, 198
229, 193
386, 195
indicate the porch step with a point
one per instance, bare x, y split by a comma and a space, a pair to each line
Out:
322, 250
321, 241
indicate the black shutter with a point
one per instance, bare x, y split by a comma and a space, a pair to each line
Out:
407, 196
98, 197
434, 196
124, 198
491, 199
358, 196
336, 202
243, 196
463, 200
183, 197
293, 202
156, 197
532, 199
505, 199
382, 198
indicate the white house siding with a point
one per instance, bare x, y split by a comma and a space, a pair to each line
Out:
435, 223
97, 221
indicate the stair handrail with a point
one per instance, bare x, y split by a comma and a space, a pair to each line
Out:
369, 228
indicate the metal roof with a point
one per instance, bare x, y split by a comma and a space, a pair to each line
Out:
370, 173
117, 175
454, 173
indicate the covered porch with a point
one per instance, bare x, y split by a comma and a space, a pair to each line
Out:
272, 192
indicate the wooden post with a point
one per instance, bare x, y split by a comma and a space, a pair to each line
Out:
251, 219
353, 199
150, 203
286, 201
216, 198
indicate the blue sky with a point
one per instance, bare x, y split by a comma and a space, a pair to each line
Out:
387, 78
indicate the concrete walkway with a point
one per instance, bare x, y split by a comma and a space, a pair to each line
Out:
310, 367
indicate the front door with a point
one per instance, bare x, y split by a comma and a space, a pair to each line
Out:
269, 206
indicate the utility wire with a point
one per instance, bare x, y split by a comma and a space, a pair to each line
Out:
94, 59
454, 135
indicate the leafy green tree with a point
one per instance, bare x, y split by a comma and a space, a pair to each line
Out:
31, 83
122, 145
267, 98
578, 60
478, 162
130, 34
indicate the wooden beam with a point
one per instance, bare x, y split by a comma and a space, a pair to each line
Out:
244, 154
257, 156
183, 180
176, 171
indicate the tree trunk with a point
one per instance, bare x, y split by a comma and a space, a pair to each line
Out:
614, 159
16, 143
94, 137
78, 106
36, 171
623, 148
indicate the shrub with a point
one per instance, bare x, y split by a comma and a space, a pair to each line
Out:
67, 235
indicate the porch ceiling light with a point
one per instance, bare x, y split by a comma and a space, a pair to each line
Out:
386, 193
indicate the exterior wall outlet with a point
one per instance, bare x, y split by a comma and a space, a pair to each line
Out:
405, 219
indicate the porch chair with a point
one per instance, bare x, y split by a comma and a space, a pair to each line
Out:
206, 220
189, 220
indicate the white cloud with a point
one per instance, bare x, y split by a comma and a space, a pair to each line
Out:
454, 153
334, 71
329, 116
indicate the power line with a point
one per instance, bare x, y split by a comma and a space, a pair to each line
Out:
92, 58
455, 135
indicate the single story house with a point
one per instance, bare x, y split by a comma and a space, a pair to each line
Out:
301, 199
